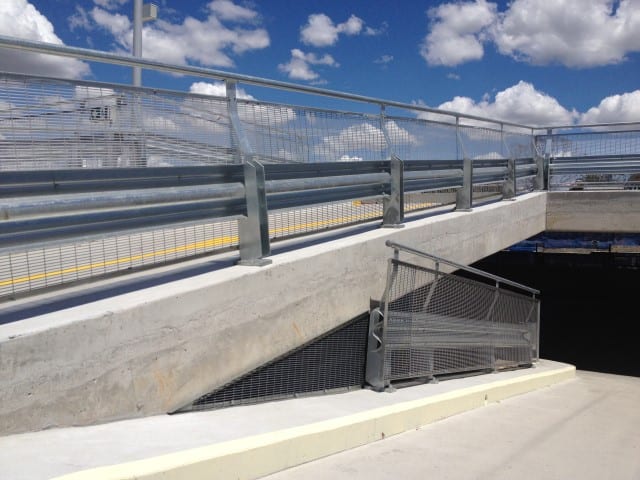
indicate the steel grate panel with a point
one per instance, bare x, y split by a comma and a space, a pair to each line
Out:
436, 323
333, 361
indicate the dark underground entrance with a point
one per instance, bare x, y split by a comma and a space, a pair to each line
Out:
590, 304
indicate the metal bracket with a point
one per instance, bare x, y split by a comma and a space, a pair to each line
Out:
509, 186
393, 205
464, 195
253, 230
393, 214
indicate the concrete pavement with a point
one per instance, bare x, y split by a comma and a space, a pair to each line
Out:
253, 441
586, 428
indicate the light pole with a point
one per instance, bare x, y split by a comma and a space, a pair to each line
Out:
141, 13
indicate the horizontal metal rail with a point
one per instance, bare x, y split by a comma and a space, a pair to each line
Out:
399, 247
129, 61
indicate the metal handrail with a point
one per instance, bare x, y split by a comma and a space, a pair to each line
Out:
399, 247
129, 61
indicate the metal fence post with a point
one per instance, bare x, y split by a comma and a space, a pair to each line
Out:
539, 160
548, 146
464, 196
393, 205
253, 230
509, 186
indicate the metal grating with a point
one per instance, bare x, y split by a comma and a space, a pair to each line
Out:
331, 362
434, 323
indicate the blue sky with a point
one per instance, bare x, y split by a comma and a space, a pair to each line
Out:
529, 61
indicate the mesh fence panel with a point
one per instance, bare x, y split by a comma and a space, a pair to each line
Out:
609, 150
33, 269
47, 124
437, 323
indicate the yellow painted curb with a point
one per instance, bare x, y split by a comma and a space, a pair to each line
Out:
260, 455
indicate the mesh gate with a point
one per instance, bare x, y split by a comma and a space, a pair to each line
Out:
433, 323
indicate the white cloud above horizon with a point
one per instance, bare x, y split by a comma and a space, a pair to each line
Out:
520, 103
573, 33
457, 32
299, 65
19, 18
623, 107
320, 31
208, 42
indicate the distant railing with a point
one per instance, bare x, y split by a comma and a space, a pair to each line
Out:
433, 323
592, 157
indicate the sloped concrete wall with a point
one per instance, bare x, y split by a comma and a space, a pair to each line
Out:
154, 350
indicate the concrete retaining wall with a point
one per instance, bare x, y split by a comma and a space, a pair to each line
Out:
157, 349
614, 212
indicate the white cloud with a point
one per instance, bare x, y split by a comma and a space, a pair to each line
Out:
373, 32
110, 4
320, 31
573, 33
80, 19
347, 158
616, 108
19, 18
453, 76
227, 10
299, 66
351, 141
117, 24
261, 114
457, 32
206, 42
521, 103
217, 89
384, 59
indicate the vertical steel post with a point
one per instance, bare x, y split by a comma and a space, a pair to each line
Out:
539, 160
537, 357
464, 196
393, 204
253, 229
548, 146
509, 186
137, 40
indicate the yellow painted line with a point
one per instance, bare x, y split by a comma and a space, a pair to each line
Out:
213, 242
323, 223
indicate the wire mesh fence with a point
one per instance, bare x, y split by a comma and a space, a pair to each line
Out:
58, 124
593, 158
434, 323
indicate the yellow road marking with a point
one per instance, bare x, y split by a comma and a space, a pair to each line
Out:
213, 242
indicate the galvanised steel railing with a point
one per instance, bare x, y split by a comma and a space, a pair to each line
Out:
97, 178
434, 323
604, 156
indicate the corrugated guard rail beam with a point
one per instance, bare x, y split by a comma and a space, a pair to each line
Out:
49, 205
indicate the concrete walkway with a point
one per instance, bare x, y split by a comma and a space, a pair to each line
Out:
587, 428
251, 441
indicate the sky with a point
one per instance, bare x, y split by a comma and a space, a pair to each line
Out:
535, 62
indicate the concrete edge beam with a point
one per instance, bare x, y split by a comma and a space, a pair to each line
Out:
260, 455
157, 349
593, 211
